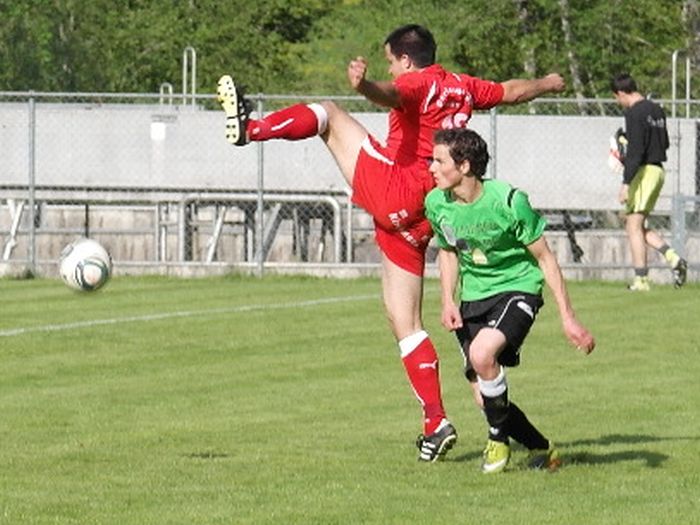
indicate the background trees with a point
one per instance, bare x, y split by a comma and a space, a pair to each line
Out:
277, 46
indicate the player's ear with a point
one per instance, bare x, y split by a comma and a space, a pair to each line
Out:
465, 167
406, 62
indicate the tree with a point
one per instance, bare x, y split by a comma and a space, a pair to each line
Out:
526, 31
277, 46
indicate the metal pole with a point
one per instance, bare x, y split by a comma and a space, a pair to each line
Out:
492, 139
674, 103
687, 87
349, 256
187, 52
674, 75
166, 88
678, 226
674, 81
181, 229
32, 185
678, 157
260, 215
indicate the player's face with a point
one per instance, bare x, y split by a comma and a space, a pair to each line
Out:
446, 173
622, 98
397, 65
616, 94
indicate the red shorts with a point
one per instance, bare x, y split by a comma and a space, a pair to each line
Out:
394, 196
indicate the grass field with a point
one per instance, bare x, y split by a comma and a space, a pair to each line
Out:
283, 400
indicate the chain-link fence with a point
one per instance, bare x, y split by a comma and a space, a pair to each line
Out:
153, 179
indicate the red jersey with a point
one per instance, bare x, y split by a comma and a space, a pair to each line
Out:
433, 99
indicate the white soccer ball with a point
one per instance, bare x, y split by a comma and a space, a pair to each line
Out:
85, 265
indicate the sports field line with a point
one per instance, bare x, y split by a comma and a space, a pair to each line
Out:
10, 332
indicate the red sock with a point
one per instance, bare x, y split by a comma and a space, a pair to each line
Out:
293, 123
422, 367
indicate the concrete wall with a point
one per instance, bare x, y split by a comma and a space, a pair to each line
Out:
559, 160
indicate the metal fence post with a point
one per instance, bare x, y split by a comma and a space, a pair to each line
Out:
493, 115
678, 230
189, 53
260, 213
32, 184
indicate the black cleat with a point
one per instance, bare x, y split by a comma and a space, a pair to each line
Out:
435, 446
680, 273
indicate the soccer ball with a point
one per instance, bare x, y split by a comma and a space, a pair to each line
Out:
85, 265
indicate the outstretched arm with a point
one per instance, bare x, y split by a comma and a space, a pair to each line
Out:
575, 331
382, 93
517, 91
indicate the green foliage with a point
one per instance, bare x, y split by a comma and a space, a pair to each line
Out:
276, 46
229, 400
491, 47
607, 37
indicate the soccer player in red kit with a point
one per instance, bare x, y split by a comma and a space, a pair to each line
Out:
391, 181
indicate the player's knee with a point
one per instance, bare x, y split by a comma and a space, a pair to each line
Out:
331, 108
405, 329
482, 360
409, 343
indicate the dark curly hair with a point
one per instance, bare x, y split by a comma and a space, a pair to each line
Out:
465, 144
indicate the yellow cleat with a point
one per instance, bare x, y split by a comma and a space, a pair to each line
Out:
640, 284
496, 456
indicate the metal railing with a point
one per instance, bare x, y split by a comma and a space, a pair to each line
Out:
94, 151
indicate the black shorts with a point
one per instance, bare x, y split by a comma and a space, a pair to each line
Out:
513, 313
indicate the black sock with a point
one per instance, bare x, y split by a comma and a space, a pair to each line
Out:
496, 410
641, 272
524, 432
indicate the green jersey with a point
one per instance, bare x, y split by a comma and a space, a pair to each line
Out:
490, 237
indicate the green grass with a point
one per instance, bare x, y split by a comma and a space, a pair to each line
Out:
283, 400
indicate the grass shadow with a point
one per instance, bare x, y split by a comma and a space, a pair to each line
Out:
651, 459
207, 455
628, 439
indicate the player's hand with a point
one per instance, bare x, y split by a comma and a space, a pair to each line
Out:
615, 160
555, 82
451, 317
624, 193
616, 167
357, 69
579, 335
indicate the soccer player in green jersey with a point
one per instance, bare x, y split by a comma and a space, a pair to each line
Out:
491, 245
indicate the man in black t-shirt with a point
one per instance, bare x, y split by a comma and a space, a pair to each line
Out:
643, 178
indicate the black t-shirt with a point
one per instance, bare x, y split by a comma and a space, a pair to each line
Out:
645, 124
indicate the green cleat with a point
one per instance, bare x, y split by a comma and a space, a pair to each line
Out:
549, 459
496, 456
640, 284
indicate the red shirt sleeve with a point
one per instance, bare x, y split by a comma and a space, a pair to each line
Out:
486, 93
